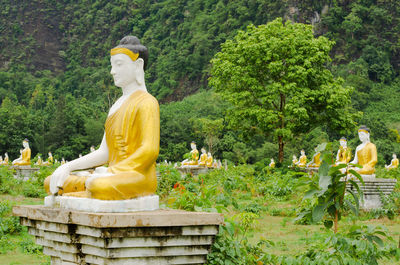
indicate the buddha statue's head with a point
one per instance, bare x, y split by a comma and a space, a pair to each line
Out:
302, 152
128, 62
343, 142
294, 157
193, 145
209, 154
394, 156
25, 143
272, 160
363, 134
203, 150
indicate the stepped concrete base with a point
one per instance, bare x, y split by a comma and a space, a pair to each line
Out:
152, 237
145, 203
24, 172
192, 170
373, 189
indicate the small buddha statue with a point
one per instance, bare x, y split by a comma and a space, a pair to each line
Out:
302, 159
316, 160
194, 156
272, 163
50, 160
5, 161
203, 157
25, 158
209, 160
344, 153
130, 144
39, 162
294, 160
366, 154
62, 161
394, 163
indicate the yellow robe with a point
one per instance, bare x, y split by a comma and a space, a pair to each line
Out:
26, 158
344, 155
316, 162
303, 161
133, 140
203, 160
394, 163
367, 158
209, 161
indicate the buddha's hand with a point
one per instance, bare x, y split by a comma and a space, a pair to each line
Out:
58, 178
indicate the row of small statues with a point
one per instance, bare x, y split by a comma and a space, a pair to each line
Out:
206, 159
25, 157
365, 155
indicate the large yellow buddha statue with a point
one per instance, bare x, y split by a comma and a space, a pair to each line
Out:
366, 154
194, 156
131, 141
25, 158
394, 163
302, 159
203, 157
344, 153
316, 160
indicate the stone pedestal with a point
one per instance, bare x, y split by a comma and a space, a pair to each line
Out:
373, 189
24, 172
193, 170
152, 237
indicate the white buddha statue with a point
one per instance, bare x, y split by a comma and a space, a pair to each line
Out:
344, 153
366, 154
394, 163
272, 163
25, 158
130, 145
194, 156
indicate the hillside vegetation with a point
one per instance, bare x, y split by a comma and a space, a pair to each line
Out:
55, 86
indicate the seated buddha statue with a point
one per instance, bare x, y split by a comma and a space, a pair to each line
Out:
294, 161
50, 160
394, 163
209, 160
39, 162
203, 157
366, 154
5, 161
344, 153
194, 156
130, 144
316, 160
1, 160
302, 159
272, 163
25, 158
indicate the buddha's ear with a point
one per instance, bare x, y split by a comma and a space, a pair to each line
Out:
140, 63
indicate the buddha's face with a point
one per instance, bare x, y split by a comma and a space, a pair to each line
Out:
123, 69
294, 157
302, 152
193, 146
25, 144
394, 156
209, 154
363, 136
343, 143
203, 151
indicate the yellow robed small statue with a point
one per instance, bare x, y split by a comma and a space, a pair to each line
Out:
366, 154
316, 160
25, 158
203, 157
344, 153
131, 141
209, 160
194, 156
302, 159
272, 163
394, 163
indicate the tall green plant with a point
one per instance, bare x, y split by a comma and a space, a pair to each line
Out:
329, 188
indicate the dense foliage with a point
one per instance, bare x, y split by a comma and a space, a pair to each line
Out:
55, 88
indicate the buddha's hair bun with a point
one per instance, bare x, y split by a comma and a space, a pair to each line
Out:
133, 43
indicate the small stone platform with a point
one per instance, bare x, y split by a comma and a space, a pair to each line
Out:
152, 237
372, 190
24, 172
193, 170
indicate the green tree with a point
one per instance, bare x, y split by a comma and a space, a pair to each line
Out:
276, 77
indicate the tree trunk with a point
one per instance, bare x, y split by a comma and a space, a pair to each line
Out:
281, 145
335, 223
